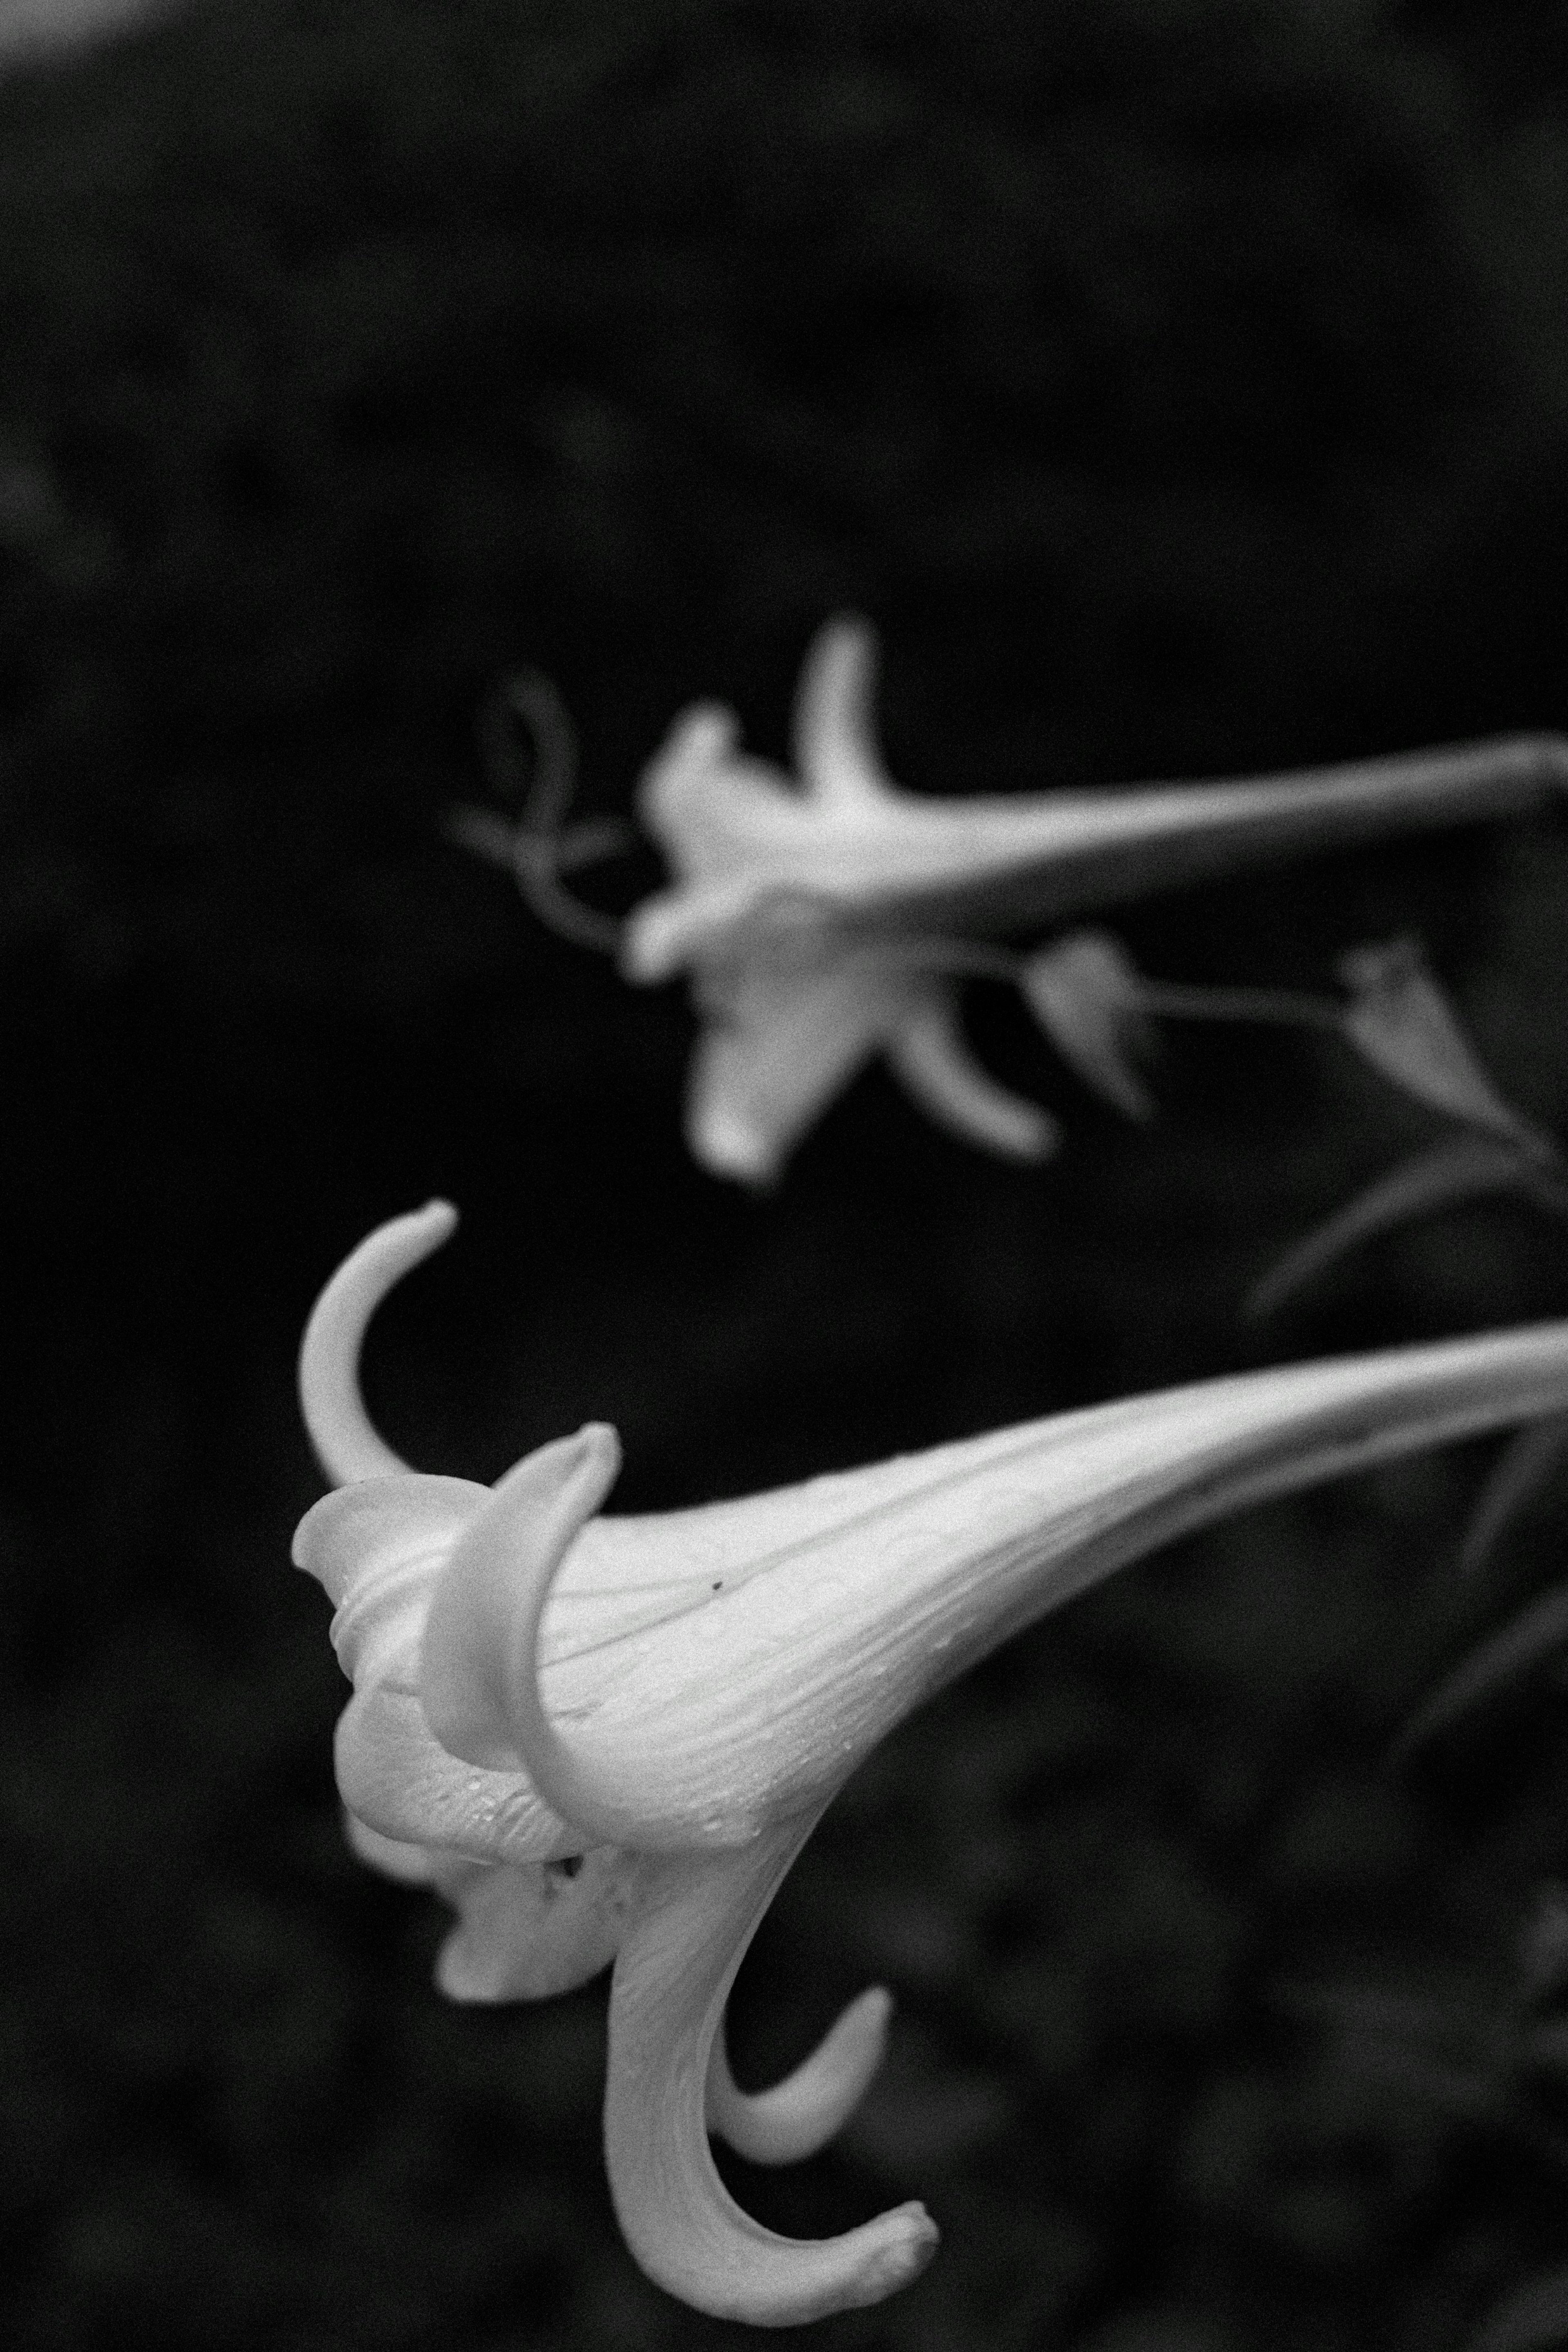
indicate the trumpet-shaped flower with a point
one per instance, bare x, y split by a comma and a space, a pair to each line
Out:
823, 923
609, 1738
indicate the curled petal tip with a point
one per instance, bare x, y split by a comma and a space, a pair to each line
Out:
907, 2238
693, 1918
346, 1442
767, 2281
479, 1664
801, 2114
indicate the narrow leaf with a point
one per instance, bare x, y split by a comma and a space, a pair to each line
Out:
1375, 2011
1465, 1170
1525, 1642
1533, 2318
1522, 1469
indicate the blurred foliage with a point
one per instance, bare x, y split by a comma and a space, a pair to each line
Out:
1184, 388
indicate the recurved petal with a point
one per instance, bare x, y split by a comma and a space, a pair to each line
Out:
476, 1633
834, 726
929, 1051
528, 1931
784, 1039
801, 2114
692, 1919
346, 1444
376, 1549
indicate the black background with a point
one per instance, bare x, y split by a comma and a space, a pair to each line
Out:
1183, 389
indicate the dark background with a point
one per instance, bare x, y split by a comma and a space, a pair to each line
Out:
1182, 385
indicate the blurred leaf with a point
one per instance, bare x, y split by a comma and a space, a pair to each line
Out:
1533, 2318
1543, 1951
1376, 2011
1402, 1022
1086, 993
1527, 1642
1464, 2092
1465, 1170
1522, 1469
1546, 2048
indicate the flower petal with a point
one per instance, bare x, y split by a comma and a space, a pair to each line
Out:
834, 730
693, 1918
376, 1549
474, 1631
1086, 993
411, 1866
729, 827
787, 1036
1400, 1020
346, 1444
929, 1051
801, 2114
530, 1931
394, 1775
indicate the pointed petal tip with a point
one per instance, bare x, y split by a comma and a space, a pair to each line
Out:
591, 1454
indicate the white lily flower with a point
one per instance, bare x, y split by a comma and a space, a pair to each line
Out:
671, 1701
821, 922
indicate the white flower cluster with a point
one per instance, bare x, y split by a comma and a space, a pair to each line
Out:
604, 1739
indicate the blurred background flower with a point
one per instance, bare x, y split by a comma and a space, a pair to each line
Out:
31, 30
1182, 386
